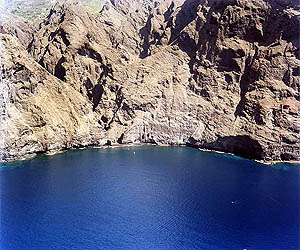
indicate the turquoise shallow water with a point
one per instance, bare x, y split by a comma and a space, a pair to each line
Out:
148, 198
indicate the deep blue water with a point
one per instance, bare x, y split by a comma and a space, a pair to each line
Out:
172, 198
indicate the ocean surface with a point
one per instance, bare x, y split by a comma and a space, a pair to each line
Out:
169, 198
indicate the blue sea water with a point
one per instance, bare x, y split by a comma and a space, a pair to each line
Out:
169, 198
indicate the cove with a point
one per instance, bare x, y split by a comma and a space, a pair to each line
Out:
148, 197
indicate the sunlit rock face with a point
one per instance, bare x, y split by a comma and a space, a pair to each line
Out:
221, 75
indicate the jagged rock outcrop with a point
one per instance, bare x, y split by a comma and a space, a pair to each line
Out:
20, 28
220, 75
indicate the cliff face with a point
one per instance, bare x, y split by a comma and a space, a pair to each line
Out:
220, 75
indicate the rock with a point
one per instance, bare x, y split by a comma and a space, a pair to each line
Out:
19, 27
220, 75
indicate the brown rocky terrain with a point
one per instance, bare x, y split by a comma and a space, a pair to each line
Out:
221, 75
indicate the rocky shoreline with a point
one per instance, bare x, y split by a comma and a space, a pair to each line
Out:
52, 153
216, 75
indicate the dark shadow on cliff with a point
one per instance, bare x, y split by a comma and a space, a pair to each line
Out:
94, 93
144, 34
59, 70
241, 145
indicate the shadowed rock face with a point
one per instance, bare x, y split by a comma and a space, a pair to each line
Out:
220, 75
242, 145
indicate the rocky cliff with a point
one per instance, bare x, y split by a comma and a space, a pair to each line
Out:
221, 75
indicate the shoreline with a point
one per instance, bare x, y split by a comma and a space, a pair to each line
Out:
56, 152
258, 161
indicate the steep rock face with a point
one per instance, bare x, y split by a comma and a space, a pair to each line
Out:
241, 55
43, 113
220, 75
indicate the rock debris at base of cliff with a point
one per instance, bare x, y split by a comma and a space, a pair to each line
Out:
220, 75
